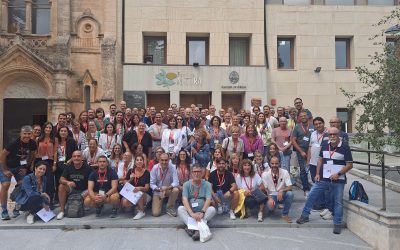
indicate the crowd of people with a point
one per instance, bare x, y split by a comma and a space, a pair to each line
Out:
199, 162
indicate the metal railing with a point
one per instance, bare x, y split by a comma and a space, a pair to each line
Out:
381, 167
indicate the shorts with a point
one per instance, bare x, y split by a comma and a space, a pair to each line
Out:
14, 171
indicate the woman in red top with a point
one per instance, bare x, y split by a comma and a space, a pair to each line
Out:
46, 153
159, 151
183, 167
138, 177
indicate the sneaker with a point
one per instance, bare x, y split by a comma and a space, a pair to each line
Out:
260, 217
280, 206
302, 220
98, 211
287, 219
325, 211
337, 229
232, 215
306, 193
60, 216
189, 232
114, 213
30, 219
196, 235
219, 209
327, 216
171, 212
139, 215
15, 213
4, 215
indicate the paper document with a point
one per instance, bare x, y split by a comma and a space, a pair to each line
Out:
45, 215
192, 224
330, 169
127, 192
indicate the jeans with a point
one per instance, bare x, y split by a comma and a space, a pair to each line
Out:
287, 202
14, 171
322, 200
285, 164
184, 215
303, 172
336, 191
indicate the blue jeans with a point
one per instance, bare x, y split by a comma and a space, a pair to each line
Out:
336, 191
323, 199
285, 164
14, 171
303, 172
287, 202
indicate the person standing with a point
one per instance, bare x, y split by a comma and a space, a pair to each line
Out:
335, 160
156, 130
301, 140
281, 136
15, 161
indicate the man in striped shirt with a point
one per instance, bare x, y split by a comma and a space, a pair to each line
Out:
335, 160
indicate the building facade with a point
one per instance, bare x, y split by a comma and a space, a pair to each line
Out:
56, 56
200, 52
313, 48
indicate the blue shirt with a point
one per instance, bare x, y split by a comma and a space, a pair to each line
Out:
339, 155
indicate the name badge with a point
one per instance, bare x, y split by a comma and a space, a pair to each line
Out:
101, 192
23, 162
170, 148
305, 138
61, 158
329, 162
285, 143
275, 193
45, 157
216, 141
195, 204
250, 154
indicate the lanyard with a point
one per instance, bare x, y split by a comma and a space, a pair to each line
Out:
162, 176
139, 137
235, 145
251, 183
192, 189
77, 138
260, 169
109, 143
331, 153
159, 128
62, 148
250, 144
182, 171
92, 158
102, 179
125, 170
235, 170
171, 136
320, 137
275, 179
45, 148
221, 181
305, 130
216, 133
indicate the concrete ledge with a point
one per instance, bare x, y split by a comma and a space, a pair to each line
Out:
378, 228
394, 186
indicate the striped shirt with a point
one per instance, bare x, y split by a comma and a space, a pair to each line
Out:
339, 155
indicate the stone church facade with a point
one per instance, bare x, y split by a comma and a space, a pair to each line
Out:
56, 56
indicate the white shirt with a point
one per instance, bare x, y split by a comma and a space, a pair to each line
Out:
315, 145
120, 171
87, 157
107, 143
171, 140
283, 181
252, 182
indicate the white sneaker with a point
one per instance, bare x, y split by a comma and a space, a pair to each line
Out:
30, 219
325, 211
219, 209
139, 215
232, 215
281, 206
306, 193
327, 216
260, 217
60, 216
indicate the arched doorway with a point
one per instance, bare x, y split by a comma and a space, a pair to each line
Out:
24, 103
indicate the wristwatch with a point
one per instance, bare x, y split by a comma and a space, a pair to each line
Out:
202, 211
339, 174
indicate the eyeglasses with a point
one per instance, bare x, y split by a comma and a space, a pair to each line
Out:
331, 134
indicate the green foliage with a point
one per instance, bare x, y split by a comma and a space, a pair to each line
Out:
381, 98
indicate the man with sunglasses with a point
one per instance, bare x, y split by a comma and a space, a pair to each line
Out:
279, 188
196, 199
335, 160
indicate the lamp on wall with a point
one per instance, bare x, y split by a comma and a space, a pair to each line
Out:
317, 69
393, 30
195, 64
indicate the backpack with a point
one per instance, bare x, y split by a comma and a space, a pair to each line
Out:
74, 206
357, 192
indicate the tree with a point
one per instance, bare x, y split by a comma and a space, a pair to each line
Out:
381, 100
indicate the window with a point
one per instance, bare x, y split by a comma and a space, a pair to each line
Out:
339, 2
40, 17
238, 51
285, 53
16, 16
155, 50
296, 2
391, 44
197, 50
380, 2
342, 52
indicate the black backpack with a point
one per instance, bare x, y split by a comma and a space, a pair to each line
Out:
74, 207
357, 192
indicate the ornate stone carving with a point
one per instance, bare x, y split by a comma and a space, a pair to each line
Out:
108, 68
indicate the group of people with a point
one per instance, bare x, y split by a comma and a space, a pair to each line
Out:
232, 162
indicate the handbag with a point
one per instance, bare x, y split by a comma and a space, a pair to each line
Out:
259, 196
15, 192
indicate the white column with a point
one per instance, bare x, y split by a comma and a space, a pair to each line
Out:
174, 97
216, 100
28, 17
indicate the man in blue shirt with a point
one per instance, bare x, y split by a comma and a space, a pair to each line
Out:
335, 160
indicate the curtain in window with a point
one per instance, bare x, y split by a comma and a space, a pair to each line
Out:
238, 52
16, 16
